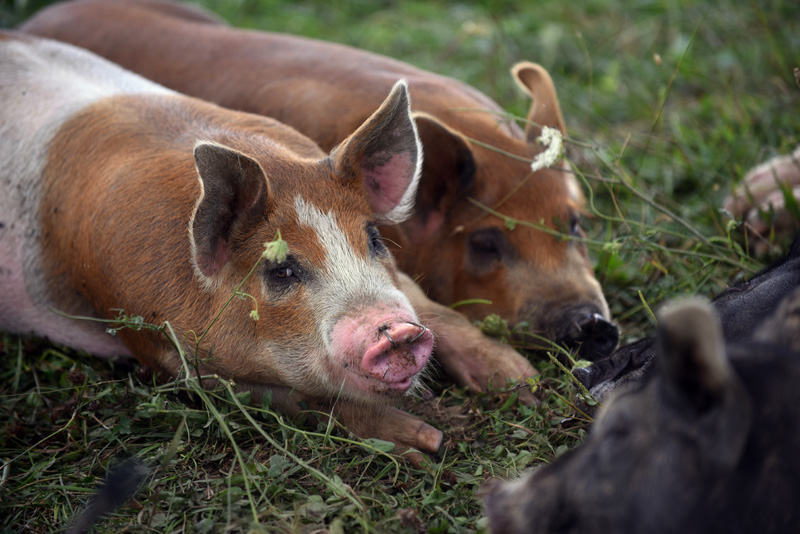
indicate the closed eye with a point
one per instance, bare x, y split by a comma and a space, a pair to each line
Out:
486, 246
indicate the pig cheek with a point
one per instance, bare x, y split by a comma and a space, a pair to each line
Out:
286, 349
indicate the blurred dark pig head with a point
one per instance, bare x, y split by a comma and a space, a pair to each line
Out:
743, 310
707, 444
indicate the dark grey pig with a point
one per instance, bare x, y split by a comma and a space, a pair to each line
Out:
708, 444
742, 310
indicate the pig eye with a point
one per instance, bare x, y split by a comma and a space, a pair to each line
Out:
282, 275
484, 246
574, 224
283, 272
376, 246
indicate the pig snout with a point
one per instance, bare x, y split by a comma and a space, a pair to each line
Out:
381, 354
400, 352
588, 331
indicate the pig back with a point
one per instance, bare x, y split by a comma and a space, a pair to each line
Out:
44, 84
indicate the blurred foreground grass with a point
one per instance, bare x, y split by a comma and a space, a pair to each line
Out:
669, 104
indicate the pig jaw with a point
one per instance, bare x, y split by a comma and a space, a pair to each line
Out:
379, 350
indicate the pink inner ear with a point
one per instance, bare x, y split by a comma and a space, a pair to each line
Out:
386, 184
219, 255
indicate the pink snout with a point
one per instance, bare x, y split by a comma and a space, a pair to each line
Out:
379, 349
401, 351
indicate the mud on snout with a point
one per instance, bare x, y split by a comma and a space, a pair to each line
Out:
379, 350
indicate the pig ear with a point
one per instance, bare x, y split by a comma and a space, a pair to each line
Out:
699, 380
385, 155
448, 175
545, 110
233, 198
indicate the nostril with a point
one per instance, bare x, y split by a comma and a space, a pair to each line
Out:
595, 323
595, 336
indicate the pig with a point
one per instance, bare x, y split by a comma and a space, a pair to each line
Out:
743, 309
708, 443
455, 244
120, 194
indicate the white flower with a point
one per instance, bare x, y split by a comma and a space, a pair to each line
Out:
276, 250
554, 141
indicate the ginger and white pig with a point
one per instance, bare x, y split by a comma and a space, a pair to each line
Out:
116, 193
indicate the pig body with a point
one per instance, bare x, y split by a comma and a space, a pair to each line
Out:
708, 443
120, 194
743, 310
455, 247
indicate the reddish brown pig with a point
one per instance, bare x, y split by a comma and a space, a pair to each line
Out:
458, 250
117, 193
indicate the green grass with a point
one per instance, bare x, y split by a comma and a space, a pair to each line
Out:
669, 104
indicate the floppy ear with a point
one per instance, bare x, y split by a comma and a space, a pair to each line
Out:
448, 175
545, 110
385, 155
699, 380
233, 197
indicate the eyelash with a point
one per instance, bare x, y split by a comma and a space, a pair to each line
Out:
376, 245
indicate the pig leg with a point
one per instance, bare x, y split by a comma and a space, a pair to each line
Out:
472, 359
390, 424
365, 421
